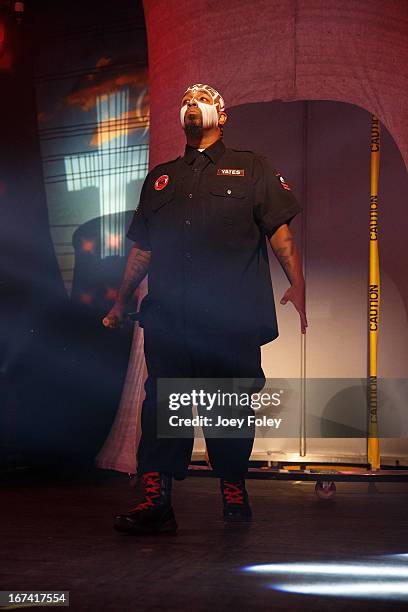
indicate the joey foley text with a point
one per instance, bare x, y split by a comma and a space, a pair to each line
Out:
210, 402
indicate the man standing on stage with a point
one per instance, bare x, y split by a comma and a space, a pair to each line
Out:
200, 233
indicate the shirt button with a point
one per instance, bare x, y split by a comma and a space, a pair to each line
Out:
229, 191
188, 222
190, 195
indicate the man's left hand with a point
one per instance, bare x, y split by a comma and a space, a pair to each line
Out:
296, 295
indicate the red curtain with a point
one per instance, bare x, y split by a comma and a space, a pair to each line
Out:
353, 51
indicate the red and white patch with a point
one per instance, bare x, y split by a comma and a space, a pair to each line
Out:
230, 172
283, 182
161, 182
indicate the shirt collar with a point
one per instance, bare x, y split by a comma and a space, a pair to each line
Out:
214, 152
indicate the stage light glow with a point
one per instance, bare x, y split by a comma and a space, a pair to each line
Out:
377, 577
85, 298
88, 246
398, 590
5, 55
114, 241
2, 35
111, 294
331, 569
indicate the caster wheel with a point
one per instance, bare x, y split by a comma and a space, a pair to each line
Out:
325, 489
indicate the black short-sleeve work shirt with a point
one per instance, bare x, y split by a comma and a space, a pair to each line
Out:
204, 217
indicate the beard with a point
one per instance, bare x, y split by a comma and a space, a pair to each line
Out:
193, 125
193, 130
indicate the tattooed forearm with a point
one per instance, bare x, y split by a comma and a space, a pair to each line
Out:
286, 252
136, 269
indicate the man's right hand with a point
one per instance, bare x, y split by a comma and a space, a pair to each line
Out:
116, 317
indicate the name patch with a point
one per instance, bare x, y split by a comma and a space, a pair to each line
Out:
230, 172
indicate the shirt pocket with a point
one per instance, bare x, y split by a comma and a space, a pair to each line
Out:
231, 208
230, 198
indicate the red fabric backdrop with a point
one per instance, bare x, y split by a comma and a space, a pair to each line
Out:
353, 51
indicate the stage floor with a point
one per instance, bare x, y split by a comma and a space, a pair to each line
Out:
56, 534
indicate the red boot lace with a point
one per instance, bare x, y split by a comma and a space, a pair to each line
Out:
233, 492
151, 484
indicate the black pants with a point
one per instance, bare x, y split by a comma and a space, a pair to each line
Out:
173, 354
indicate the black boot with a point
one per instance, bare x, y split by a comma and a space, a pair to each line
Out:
236, 501
154, 514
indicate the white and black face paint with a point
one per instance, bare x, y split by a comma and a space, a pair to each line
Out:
208, 112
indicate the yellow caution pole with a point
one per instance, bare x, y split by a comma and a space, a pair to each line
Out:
373, 446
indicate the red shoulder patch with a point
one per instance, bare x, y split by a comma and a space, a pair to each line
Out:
161, 182
283, 182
